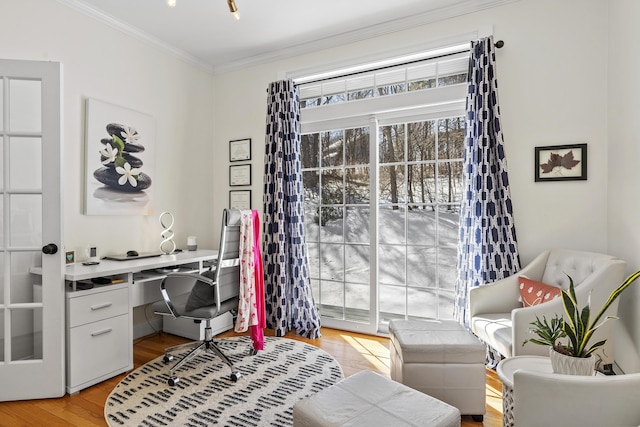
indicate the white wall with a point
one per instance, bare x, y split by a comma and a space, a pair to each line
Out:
624, 174
103, 63
542, 71
567, 74
550, 57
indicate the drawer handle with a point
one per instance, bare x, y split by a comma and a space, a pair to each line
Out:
98, 307
104, 331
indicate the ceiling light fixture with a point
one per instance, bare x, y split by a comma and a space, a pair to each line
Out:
171, 3
233, 9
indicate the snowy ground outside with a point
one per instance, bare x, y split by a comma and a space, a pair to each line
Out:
413, 276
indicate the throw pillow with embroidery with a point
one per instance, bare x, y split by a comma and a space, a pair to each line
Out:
533, 292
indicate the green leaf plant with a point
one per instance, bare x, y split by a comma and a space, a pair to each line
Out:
576, 325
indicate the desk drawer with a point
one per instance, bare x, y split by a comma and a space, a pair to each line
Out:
97, 349
98, 306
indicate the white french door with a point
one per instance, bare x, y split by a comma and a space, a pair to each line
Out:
31, 306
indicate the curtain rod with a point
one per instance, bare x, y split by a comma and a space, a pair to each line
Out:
497, 44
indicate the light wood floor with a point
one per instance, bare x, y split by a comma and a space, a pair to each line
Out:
355, 352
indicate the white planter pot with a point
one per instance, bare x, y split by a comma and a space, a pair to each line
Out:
569, 365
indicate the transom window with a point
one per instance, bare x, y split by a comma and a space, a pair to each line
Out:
385, 82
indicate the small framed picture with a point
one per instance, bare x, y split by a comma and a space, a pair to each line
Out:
70, 257
240, 199
239, 175
561, 163
239, 150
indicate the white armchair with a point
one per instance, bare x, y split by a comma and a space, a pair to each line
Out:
546, 399
498, 318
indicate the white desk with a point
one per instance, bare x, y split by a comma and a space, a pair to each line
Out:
99, 330
76, 272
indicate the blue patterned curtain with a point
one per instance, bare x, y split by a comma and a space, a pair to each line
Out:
289, 300
487, 249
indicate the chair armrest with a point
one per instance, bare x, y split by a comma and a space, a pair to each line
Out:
502, 295
544, 399
521, 319
194, 276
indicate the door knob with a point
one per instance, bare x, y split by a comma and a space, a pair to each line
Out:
50, 249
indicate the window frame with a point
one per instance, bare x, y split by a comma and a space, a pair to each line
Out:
430, 104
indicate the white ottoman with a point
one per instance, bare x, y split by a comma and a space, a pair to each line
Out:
442, 359
369, 399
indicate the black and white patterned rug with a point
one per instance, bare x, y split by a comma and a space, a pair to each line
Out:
272, 382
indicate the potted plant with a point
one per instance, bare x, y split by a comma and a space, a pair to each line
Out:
577, 326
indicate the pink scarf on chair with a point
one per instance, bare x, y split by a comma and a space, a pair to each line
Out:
251, 314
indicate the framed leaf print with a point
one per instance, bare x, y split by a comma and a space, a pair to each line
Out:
561, 163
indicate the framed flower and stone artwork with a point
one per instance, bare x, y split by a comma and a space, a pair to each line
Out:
120, 164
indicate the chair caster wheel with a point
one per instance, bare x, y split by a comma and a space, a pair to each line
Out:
173, 381
253, 352
167, 358
235, 376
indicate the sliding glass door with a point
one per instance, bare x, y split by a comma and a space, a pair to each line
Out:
420, 167
337, 180
381, 214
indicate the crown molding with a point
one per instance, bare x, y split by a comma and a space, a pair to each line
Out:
363, 34
446, 12
136, 33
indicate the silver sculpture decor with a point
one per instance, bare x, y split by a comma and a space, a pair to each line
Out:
167, 234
